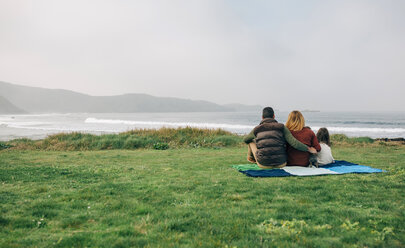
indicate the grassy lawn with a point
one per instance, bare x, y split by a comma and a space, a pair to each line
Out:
191, 198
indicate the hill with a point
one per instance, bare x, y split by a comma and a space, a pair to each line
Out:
6, 107
41, 100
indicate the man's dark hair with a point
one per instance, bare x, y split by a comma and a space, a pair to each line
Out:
268, 112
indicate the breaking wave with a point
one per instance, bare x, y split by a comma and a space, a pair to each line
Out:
169, 124
363, 130
107, 125
235, 126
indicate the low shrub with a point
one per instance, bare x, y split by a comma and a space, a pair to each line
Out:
160, 146
226, 140
133, 143
343, 139
4, 146
367, 140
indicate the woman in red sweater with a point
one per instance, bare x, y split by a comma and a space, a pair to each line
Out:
296, 124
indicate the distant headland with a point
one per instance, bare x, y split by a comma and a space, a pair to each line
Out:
17, 99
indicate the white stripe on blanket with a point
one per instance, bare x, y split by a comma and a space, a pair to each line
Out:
306, 171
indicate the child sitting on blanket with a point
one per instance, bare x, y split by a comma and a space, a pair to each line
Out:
325, 155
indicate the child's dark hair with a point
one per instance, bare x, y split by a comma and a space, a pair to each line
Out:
323, 135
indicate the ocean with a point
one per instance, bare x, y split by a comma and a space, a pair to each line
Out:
37, 126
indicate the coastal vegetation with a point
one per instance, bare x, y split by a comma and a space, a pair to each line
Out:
175, 190
160, 139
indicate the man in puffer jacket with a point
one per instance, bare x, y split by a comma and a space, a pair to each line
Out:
267, 142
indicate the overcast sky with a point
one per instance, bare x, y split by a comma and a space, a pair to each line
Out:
326, 55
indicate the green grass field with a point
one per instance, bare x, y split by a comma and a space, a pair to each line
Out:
192, 198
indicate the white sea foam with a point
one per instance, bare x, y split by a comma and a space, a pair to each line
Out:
49, 126
25, 123
168, 124
363, 130
118, 125
33, 125
235, 126
64, 129
37, 115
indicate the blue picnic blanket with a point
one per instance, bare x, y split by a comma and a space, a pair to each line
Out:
337, 168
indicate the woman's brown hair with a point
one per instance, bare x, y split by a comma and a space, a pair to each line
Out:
323, 136
295, 121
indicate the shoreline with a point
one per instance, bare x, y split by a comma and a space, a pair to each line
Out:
374, 126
